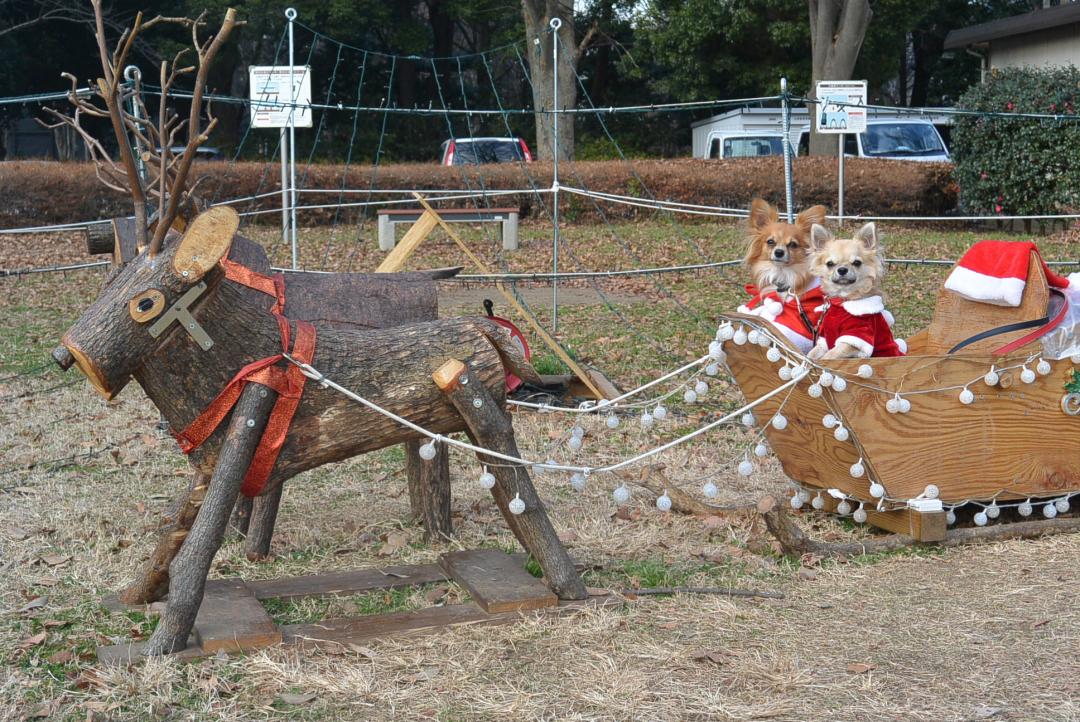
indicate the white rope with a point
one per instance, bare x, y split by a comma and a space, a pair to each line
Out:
366, 204
322, 380
54, 227
448, 193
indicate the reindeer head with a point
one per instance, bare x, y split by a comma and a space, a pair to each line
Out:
134, 312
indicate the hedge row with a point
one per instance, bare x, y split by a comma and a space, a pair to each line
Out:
39, 193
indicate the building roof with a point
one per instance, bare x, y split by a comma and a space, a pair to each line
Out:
1034, 21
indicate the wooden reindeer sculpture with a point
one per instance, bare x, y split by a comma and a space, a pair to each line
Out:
211, 359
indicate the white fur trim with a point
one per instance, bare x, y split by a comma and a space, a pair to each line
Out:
744, 309
864, 306
975, 286
773, 307
865, 347
888, 317
901, 344
798, 341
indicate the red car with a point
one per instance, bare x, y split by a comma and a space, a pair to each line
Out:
474, 151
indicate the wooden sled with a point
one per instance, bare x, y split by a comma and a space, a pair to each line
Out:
1014, 442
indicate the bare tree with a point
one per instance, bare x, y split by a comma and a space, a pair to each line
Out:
68, 11
837, 29
165, 181
538, 15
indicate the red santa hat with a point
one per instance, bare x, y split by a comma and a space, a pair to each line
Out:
995, 272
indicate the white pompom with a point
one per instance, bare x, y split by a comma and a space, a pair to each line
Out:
966, 397
663, 503
889, 318
773, 354
773, 307
1075, 359
516, 506
901, 344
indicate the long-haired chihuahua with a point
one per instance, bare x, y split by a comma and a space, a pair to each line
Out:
778, 253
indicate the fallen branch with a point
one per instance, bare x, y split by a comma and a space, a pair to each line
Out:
653, 479
726, 591
795, 542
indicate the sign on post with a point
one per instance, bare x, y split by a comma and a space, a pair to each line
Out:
841, 106
273, 100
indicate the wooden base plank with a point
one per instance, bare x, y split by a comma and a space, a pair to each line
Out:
132, 653
921, 526
353, 581
496, 582
232, 619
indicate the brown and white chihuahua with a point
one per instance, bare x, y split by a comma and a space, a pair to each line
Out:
778, 253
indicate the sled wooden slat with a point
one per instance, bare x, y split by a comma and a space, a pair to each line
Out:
497, 582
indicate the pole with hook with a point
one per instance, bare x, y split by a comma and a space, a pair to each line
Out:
555, 24
290, 15
786, 113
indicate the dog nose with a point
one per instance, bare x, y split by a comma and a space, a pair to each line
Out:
842, 271
778, 253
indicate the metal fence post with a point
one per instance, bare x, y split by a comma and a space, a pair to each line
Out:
290, 14
786, 113
555, 24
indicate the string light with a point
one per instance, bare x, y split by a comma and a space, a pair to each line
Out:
931, 491
612, 421
826, 379
779, 422
814, 391
690, 396
712, 369
716, 350
725, 332
839, 384
991, 378
1025, 508
966, 397
1043, 367
516, 505
740, 336
701, 388
893, 404
843, 508
1050, 511
993, 511
784, 373
664, 502
747, 419
427, 451
574, 442
829, 421
860, 514
841, 434
818, 502
709, 490
866, 371
950, 517
761, 450
1062, 505
877, 490
1027, 375
754, 336
980, 518
857, 469
647, 420
659, 413
621, 494
746, 467
579, 481
773, 354
905, 405
487, 479
578, 432
796, 501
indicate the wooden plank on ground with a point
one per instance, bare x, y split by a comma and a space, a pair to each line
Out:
353, 581
413, 237
132, 653
232, 619
496, 581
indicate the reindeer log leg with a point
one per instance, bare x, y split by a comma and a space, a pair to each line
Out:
241, 516
263, 518
429, 491
152, 582
187, 573
490, 427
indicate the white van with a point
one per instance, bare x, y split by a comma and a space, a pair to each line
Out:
902, 139
744, 144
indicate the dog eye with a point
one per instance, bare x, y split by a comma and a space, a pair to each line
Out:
793, 244
856, 263
770, 242
829, 264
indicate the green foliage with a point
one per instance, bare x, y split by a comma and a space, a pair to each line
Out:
1019, 165
1073, 384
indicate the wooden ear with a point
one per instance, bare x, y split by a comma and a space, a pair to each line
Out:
810, 216
762, 214
205, 241
867, 235
819, 236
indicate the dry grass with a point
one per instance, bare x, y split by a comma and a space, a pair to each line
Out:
980, 633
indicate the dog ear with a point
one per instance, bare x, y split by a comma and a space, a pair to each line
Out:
819, 236
867, 235
810, 216
762, 214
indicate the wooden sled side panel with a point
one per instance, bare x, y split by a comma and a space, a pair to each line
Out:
1013, 442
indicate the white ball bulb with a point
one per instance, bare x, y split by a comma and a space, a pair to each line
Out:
690, 396
701, 388
574, 442
487, 479
859, 515
905, 406
712, 369
764, 340
829, 421
1062, 505
663, 503
709, 490
797, 502
857, 469
841, 434
761, 450
877, 490
579, 481
612, 421
740, 337
1075, 358
725, 332
621, 494
981, 519
892, 405
716, 350
818, 502
748, 419
754, 336
814, 390
427, 451
993, 511
826, 379
839, 384
746, 467
991, 378
1050, 511
950, 517
799, 372
1027, 376
577, 431
1043, 367
517, 506
804, 494
931, 491
866, 371
966, 397
1024, 509
843, 508
784, 373
647, 420
779, 422
773, 354
659, 413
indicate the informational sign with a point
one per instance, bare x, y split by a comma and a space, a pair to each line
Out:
274, 100
841, 106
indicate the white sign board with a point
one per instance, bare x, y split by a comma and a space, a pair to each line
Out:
273, 101
841, 106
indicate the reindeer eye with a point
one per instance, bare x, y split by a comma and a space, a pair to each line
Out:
146, 306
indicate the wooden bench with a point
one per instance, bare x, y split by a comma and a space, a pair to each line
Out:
508, 217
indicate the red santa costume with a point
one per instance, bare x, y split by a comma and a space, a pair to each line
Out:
784, 313
862, 323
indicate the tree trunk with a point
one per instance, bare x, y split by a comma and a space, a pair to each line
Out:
538, 13
429, 491
837, 29
926, 47
264, 510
